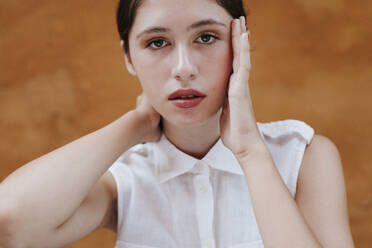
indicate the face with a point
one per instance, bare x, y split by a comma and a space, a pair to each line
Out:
187, 46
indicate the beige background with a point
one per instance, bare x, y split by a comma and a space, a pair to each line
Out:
62, 76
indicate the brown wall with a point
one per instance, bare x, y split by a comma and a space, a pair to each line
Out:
62, 76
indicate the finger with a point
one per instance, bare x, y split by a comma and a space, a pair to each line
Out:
242, 24
245, 60
236, 43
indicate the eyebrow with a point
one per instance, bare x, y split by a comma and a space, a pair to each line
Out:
195, 25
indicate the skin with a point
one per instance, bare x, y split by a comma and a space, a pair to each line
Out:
186, 59
317, 217
310, 220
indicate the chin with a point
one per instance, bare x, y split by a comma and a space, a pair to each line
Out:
193, 118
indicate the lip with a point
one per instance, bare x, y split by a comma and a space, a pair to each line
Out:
186, 92
187, 103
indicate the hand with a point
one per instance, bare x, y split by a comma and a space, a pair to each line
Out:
238, 127
150, 119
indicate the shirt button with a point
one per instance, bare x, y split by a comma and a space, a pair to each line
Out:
200, 167
209, 244
204, 188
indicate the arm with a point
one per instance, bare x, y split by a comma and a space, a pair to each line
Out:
321, 195
318, 217
280, 222
44, 194
98, 210
279, 219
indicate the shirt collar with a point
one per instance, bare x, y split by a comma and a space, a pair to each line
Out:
171, 162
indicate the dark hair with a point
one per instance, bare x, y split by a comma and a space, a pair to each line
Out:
126, 12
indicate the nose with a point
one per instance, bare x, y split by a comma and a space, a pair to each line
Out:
184, 69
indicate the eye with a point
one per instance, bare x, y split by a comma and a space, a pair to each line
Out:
156, 44
207, 38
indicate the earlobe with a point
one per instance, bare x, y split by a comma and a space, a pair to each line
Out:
129, 65
128, 61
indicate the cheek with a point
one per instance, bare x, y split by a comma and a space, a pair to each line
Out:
150, 73
219, 65
220, 57
148, 67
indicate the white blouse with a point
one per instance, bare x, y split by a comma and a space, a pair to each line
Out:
167, 198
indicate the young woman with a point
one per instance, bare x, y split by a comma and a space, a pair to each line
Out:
190, 166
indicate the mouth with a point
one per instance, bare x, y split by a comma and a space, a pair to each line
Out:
188, 94
186, 98
190, 97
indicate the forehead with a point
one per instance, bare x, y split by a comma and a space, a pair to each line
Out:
177, 13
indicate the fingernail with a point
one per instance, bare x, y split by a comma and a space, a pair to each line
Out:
245, 36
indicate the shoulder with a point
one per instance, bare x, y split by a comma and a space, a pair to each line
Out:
289, 127
134, 164
321, 154
321, 145
287, 141
321, 163
321, 170
139, 155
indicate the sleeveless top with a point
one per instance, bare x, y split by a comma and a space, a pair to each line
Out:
168, 199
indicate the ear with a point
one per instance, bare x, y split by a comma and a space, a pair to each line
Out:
128, 61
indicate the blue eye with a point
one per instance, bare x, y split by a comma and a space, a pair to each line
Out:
156, 44
203, 39
206, 38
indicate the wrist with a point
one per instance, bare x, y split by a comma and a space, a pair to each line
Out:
253, 153
146, 126
139, 124
131, 125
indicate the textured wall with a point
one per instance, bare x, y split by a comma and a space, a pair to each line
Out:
62, 76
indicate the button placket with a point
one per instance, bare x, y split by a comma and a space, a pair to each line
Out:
209, 244
204, 204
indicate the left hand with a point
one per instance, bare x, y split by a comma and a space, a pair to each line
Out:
238, 127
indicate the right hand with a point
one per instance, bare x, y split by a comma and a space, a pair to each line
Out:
151, 119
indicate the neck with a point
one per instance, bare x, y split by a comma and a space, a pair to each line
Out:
195, 141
